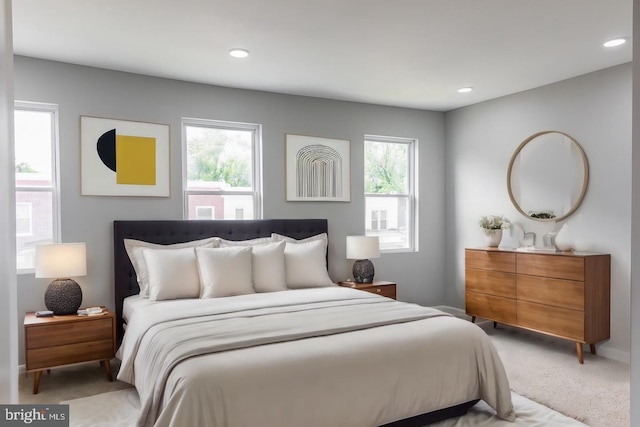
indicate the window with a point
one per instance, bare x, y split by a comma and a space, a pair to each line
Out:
221, 169
390, 191
24, 219
36, 135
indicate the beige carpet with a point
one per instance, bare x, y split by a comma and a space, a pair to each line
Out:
543, 369
546, 370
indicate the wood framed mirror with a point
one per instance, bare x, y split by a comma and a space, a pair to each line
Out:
548, 176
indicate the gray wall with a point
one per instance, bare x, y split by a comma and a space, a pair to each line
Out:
480, 139
95, 92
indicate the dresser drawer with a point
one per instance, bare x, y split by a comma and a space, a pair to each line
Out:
490, 260
555, 292
555, 266
561, 322
69, 333
491, 307
491, 282
48, 357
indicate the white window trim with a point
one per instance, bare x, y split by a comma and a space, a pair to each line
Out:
412, 177
256, 173
55, 168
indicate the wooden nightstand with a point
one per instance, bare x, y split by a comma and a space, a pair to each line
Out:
379, 287
63, 340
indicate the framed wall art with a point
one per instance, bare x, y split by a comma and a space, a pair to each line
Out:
124, 158
317, 169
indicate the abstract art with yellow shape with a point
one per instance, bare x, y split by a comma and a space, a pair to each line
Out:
125, 158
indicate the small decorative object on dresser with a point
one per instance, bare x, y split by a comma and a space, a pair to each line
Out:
54, 341
379, 287
492, 226
62, 261
563, 294
361, 248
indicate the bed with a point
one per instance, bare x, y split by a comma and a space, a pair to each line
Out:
313, 356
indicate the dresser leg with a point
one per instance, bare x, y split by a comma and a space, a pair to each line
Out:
593, 348
107, 367
579, 351
473, 319
495, 325
36, 381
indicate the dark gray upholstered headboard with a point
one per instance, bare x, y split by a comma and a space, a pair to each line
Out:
177, 231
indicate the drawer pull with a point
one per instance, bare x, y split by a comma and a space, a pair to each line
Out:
378, 290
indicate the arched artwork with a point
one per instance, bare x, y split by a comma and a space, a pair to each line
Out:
317, 169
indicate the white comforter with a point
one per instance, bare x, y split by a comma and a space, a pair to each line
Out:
317, 357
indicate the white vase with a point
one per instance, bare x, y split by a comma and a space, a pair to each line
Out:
563, 239
492, 238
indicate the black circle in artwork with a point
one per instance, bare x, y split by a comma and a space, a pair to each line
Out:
106, 147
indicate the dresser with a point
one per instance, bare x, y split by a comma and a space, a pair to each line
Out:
563, 294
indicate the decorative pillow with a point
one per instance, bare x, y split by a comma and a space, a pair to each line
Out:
134, 250
257, 241
306, 265
280, 238
225, 272
269, 267
172, 273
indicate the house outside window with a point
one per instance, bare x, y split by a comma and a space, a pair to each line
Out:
37, 212
205, 212
221, 168
390, 208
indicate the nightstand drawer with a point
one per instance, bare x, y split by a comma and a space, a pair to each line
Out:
48, 357
388, 291
69, 333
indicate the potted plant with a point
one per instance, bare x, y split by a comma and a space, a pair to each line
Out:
492, 226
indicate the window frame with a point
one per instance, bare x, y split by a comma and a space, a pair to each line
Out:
412, 180
256, 155
52, 109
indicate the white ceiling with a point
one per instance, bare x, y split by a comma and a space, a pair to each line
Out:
408, 53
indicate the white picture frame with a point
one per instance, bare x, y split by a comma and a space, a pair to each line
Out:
317, 169
124, 158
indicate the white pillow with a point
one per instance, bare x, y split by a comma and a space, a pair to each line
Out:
134, 250
306, 265
172, 273
280, 238
257, 241
225, 272
269, 267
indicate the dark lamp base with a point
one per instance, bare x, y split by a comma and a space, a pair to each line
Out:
63, 296
363, 271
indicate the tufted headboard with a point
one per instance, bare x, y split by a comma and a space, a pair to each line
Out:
178, 231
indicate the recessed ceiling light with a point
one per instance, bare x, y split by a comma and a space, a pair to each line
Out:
465, 89
239, 53
614, 42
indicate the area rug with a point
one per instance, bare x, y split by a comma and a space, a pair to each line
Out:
120, 408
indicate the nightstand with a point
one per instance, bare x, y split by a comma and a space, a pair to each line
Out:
63, 340
379, 287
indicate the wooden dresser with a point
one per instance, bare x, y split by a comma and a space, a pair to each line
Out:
563, 294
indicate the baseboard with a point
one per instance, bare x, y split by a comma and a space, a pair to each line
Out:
609, 353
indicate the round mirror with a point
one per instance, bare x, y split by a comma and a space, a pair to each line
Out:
548, 176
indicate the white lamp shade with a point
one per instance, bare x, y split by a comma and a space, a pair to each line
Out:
62, 260
363, 247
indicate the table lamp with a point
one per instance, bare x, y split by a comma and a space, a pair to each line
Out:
62, 261
361, 248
